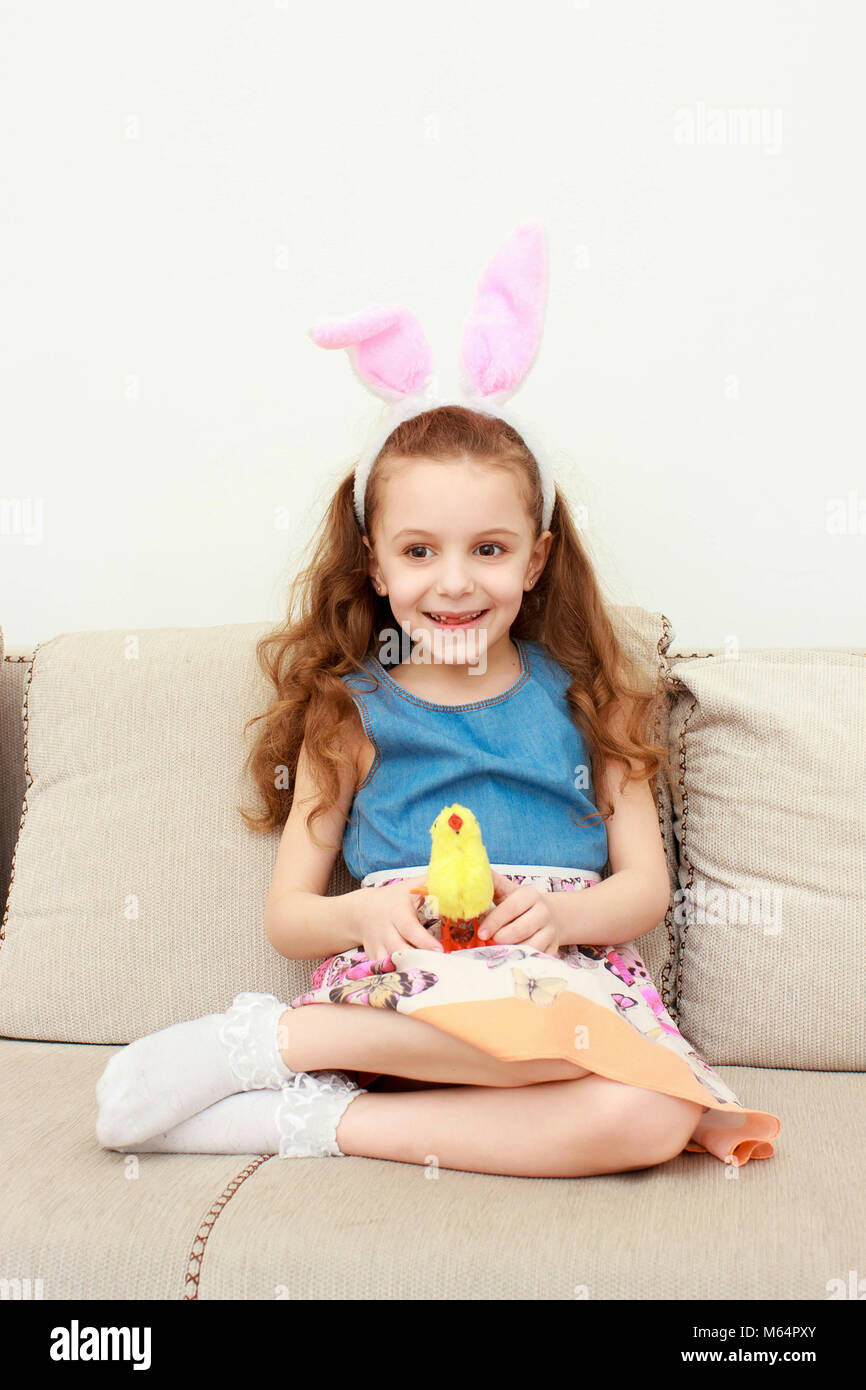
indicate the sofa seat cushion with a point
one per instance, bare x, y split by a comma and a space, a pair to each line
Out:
91, 1223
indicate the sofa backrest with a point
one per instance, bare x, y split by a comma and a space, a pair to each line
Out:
136, 892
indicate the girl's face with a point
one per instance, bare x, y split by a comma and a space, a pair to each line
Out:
454, 538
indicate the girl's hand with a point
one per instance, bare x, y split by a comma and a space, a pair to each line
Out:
520, 913
386, 919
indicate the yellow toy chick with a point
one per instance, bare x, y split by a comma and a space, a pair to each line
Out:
458, 877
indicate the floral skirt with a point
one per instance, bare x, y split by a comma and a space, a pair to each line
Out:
595, 1006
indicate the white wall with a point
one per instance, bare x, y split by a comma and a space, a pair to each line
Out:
187, 187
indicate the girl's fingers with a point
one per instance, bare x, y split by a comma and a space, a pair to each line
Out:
417, 935
500, 916
415, 923
540, 942
429, 943
502, 886
521, 927
495, 921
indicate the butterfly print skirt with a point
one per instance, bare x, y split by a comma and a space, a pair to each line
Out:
592, 1005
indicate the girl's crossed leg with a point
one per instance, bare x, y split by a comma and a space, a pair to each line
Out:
539, 1118
356, 1037
182, 1090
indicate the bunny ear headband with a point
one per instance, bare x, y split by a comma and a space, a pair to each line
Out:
391, 356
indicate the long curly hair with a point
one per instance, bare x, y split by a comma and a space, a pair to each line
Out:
335, 616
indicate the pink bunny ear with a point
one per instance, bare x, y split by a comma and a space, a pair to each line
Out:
502, 330
387, 348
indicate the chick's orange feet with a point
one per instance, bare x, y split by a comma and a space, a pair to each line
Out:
459, 935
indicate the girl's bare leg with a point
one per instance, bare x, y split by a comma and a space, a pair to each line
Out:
572, 1128
315, 1037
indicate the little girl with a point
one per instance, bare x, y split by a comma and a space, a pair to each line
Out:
452, 647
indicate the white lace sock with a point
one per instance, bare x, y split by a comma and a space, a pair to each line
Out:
159, 1080
298, 1121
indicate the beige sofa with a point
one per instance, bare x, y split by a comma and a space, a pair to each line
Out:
135, 900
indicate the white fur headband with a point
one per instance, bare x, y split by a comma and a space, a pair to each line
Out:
391, 356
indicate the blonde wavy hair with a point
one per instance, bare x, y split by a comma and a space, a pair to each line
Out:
335, 616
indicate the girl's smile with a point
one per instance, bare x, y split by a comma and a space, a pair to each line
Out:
473, 618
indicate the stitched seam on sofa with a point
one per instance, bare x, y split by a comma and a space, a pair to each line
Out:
25, 715
684, 851
663, 708
196, 1254
676, 686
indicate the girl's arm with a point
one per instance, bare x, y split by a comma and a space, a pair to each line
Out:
301, 921
636, 896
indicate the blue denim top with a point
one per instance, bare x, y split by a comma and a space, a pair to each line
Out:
517, 761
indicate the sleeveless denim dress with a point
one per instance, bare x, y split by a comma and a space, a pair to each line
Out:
516, 760
520, 764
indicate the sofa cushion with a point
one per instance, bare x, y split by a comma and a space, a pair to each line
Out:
770, 814
96, 1224
138, 892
